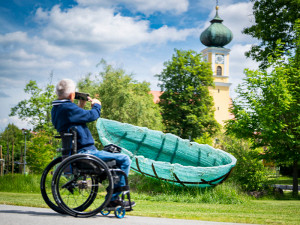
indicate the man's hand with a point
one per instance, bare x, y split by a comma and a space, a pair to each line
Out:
94, 101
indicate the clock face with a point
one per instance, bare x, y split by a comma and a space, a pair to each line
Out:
219, 59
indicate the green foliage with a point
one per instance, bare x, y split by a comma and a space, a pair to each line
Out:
41, 151
122, 98
186, 104
147, 188
12, 142
204, 139
249, 173
267, 112
274, 20
37, 109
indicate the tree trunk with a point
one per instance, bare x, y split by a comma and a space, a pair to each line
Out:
7, 159
21, 160
1, 163
12, 159
295, 178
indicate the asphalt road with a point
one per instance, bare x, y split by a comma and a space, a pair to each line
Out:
19, 215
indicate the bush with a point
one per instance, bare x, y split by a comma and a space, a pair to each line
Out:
41, 151
147, 188
249, 173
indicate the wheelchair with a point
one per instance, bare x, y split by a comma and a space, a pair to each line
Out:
81, 185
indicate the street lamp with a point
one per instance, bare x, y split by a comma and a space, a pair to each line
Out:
25, 132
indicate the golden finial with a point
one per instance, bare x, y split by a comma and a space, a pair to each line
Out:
217, 4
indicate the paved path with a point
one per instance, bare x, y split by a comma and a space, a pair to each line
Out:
285, 187
19, 215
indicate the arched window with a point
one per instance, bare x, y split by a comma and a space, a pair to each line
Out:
219, 71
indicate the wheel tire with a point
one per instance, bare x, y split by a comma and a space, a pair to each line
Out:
46, 189
120, 212
68, 191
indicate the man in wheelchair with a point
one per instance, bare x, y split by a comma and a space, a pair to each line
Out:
66, 115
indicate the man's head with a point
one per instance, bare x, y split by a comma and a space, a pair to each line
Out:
65, 89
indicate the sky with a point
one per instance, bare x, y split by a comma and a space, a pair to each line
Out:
68, 38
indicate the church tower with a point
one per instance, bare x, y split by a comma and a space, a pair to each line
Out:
215, 37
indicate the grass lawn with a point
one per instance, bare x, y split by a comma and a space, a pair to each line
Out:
253, 211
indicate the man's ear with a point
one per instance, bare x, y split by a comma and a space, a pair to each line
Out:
72, 96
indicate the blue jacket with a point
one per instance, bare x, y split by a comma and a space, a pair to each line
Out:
66, 114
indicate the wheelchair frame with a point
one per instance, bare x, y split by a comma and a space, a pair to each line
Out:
82, 185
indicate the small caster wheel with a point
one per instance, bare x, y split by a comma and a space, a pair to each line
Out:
105, 212
120, 212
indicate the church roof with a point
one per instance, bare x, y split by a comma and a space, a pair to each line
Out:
217, 34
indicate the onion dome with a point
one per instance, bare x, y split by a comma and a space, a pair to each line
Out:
217, 34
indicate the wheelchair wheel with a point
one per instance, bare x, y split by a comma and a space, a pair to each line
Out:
120, 212
45, 185
105, 212
82, 185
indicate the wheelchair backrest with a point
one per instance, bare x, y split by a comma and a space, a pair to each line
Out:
69, 142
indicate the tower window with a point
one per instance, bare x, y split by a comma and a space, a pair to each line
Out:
219, 71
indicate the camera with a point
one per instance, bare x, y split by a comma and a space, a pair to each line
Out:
81, 96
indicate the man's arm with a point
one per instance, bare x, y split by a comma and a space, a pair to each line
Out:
79, 115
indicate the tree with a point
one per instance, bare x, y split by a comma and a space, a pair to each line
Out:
122, 98
12, 142
267, 112
41, 151
274, 20
37, 109
187, 107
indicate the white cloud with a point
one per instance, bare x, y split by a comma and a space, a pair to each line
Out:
21, 55
236, 17
10, 82
101, 29
238, 63
14, 120
144, 6
157, 69
85, 63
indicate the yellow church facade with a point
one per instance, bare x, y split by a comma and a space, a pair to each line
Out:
219, 60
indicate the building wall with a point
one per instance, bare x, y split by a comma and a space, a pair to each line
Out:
222, 103
220, 93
